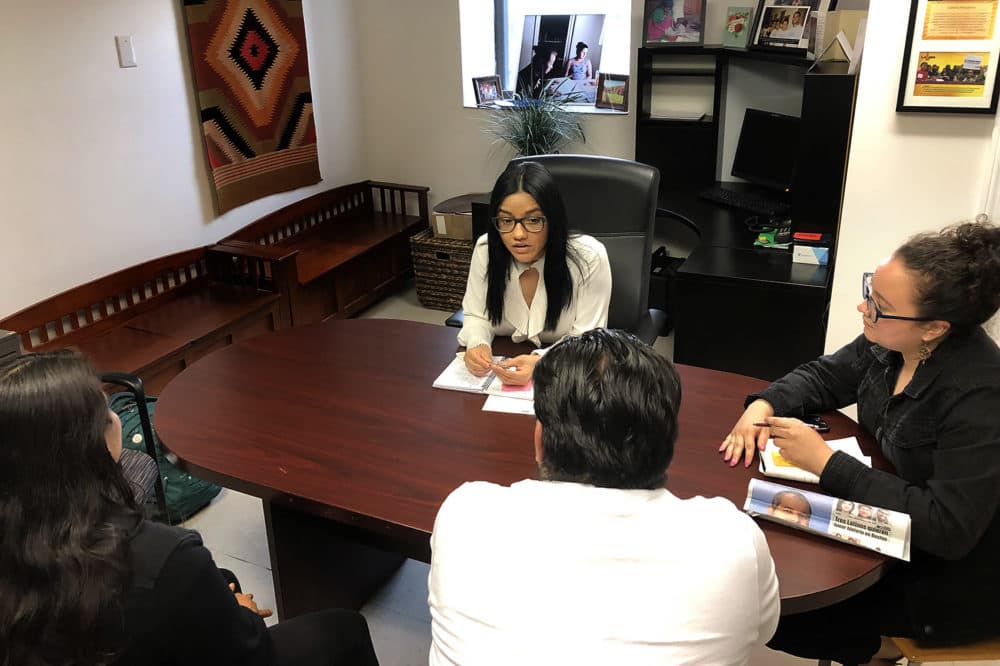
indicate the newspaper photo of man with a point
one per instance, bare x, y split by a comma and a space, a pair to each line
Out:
791, 506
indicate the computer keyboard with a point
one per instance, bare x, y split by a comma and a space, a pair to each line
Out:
749, 201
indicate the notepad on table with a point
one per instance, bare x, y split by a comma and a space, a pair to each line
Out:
774, 465
456, 377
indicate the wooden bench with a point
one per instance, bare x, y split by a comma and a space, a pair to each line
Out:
154, 319
344, 248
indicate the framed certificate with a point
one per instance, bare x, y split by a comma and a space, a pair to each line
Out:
950, 60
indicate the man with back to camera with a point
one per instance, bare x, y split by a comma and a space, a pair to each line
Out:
596, 562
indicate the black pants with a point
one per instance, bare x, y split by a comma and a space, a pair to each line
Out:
334, 637
849, 632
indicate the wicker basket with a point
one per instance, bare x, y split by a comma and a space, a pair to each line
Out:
442, 269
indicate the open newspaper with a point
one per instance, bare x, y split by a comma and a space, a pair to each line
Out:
870, 527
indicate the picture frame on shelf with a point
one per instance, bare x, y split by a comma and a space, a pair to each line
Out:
950, 58
673, 23
488, 89
781, 25
739, 25
612, 92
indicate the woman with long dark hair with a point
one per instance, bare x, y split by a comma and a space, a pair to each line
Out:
926, 380
85, 580
529, 278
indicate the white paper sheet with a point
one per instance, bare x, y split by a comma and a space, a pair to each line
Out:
500, 403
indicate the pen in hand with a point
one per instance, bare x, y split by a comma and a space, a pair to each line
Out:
768, 425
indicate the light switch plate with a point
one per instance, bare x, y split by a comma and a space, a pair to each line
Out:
126, 54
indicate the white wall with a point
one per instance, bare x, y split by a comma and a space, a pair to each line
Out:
103, 168
906, 172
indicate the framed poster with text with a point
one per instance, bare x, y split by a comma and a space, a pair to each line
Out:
950, 60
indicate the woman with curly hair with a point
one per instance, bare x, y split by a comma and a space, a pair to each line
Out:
926, 379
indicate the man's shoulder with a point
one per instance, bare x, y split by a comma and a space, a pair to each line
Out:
718, 509
470, 499
717, 521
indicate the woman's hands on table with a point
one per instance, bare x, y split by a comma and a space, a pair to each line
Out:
479, 360
745, 436
800, 445
516, 371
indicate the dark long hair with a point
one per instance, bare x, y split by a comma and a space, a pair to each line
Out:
64, 563
958, 272
534, 179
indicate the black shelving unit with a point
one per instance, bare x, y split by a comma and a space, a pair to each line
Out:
725, 294
685, 150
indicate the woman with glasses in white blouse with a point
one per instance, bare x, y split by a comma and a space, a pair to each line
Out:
529, 278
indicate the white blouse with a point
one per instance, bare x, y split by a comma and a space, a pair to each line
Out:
587, 310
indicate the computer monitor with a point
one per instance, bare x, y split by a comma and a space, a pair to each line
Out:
768, 149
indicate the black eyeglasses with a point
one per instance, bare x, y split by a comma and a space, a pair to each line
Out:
505, 225
873, 311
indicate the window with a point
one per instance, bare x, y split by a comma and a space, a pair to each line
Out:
501, 37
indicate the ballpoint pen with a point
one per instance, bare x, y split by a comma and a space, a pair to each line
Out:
768, 425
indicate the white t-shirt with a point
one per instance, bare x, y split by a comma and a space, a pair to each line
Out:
543, 572
587, 310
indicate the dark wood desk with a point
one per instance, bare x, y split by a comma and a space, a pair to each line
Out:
740, 308
336, 427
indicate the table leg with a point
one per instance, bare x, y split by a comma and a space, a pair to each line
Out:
318, 564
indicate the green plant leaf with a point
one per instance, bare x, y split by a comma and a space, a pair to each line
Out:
535, 126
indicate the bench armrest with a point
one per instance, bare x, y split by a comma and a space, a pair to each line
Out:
395, 202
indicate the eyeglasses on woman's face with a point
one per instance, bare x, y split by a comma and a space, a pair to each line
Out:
505, 224
874, 313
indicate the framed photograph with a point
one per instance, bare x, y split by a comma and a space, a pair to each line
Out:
781, 25
739, 24
950, 57
673, 22
488, 89
612, 92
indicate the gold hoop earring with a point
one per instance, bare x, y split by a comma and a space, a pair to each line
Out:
923, 352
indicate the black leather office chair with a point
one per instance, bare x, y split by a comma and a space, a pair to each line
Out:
614, 201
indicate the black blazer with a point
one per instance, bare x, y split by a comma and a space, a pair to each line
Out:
179, 609
942, 435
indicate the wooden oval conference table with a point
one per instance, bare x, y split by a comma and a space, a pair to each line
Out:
337, 428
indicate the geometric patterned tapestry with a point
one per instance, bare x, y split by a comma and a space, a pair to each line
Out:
251, 73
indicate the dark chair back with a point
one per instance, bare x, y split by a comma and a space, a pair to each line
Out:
613, 200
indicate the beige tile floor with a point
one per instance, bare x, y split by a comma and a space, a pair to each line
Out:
232, 527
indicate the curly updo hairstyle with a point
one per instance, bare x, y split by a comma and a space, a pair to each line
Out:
958, 272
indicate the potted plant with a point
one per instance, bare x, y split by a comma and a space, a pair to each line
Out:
535, 126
